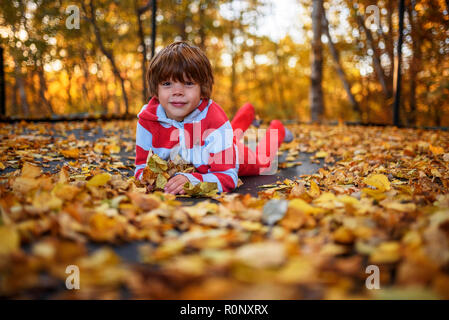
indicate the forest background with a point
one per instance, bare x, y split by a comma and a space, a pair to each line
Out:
55, 67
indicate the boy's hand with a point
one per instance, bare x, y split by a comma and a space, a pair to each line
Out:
176, 184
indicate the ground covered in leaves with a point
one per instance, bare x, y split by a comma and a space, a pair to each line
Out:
67, 197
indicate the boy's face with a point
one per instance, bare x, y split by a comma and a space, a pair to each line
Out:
179, 99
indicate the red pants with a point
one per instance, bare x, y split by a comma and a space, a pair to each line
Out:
255, 163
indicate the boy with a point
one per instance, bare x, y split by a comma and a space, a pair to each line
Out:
181, 119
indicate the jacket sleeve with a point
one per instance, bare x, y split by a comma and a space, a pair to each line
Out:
222, 159
144, 140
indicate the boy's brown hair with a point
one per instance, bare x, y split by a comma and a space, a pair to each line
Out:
180, 61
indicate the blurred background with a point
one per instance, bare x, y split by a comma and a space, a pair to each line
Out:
300, 60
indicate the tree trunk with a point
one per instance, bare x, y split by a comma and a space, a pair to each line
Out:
201, 32
84, 66
437, 115
106, 52
139, 12
22, 91
376, 59
388, 39
397, 67
415, 64
43, 89
153, 27
15, 101
2, 85
339, 67
316, 77
69, 87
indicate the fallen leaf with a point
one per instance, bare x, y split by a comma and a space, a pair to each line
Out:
378, 181
262, 255
71, 153
9, 240
274, 210
302, 206
99, 180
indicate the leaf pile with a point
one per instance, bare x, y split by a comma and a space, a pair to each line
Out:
381, 198
158, 171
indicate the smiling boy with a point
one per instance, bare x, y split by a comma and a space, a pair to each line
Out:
181, 119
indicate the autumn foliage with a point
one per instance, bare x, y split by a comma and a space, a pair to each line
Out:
380, 198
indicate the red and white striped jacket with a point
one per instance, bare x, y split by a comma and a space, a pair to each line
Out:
204, 138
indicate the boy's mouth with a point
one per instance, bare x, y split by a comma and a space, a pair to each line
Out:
178, 103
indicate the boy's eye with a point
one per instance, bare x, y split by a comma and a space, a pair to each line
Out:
190, 83
166, 83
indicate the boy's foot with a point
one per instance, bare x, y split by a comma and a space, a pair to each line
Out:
288, 135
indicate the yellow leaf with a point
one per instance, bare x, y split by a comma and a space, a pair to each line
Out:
144, 201
266, 254
71, 153
99, 180
102, 227
24, 185
45, 201
168, 249
378, 181
386, 252
376, 194
161, 181
65, 191
348, 200
30, 171
205, 189
9, 240
2, 166
314, 189
435, 173
301, 205
398, 206
321, 154
64, 176
343, 235
297, 270
436, 150
98, 148
112, 149
156, 164
325, 200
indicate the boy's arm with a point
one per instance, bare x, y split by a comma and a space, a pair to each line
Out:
222, 159
144, 140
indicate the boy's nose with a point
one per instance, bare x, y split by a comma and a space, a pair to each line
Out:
178, 89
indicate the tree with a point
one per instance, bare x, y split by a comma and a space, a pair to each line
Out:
386, 85
338, 66
2, 84
415, 63
91, 17
316, 77
139, 12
